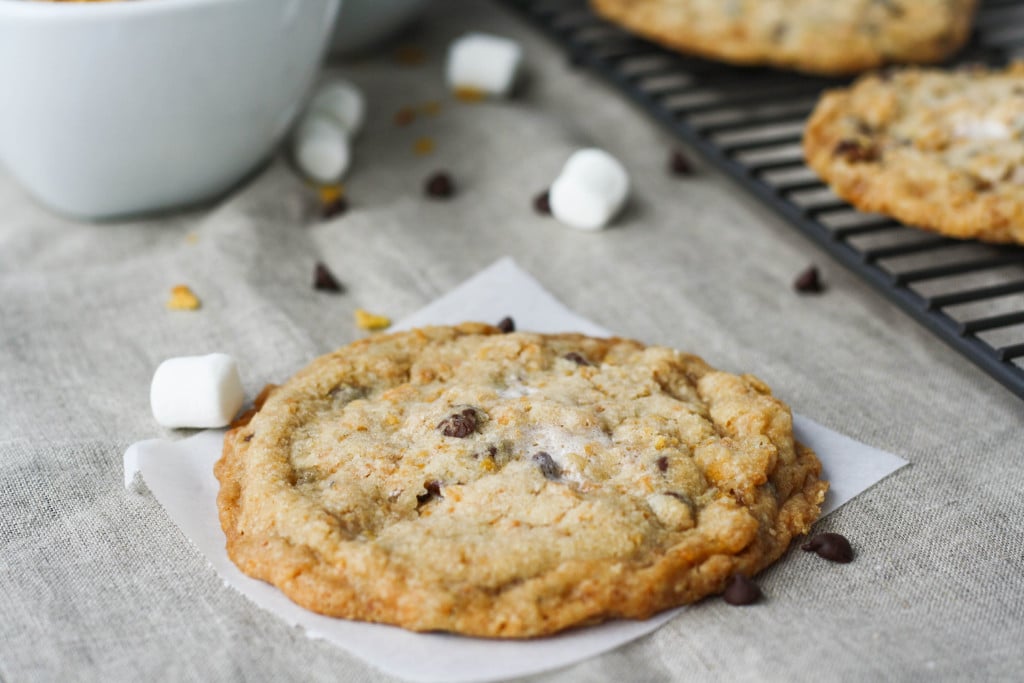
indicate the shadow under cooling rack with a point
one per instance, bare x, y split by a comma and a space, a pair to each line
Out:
749, 121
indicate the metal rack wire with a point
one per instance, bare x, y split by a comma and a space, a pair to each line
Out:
748, 122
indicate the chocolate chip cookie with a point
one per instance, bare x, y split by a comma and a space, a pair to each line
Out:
512, 484
935, 149
819, 36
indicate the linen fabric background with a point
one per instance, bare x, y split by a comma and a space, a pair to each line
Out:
96, 583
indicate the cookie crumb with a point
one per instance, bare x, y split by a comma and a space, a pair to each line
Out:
332, 201
192, 238
431, 108
469, 94
809, 282
183, 299
370, 321
324, 280
423, 146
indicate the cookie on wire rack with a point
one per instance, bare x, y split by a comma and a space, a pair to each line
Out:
511, 484
940, 150
815, 36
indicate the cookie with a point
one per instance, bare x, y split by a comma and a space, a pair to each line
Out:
817, 36
511, 484
934, 149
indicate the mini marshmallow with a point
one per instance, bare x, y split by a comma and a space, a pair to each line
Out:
196, 391
321, 149
342, 101
480, 61
590, 190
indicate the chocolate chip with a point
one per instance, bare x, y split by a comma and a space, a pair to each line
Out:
548, 467
335, 207
577, 358
492, 452
507, 325
741, 591
830, 546
662, 464
459, 425
440, 186
854, 151
433, 488
325, 281
679, 164
809, 282
542, 203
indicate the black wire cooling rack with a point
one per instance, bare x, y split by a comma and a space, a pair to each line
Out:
748, 122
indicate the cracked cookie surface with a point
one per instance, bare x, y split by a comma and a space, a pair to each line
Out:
818, 36
511, 485
935, 149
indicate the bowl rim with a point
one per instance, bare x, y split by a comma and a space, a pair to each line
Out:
76, 11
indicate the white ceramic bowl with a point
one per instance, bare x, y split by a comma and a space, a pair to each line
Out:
365, 22
116, 108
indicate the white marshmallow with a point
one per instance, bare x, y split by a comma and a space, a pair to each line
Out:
132, 471
321, 149
342, 101
196, 391
484, 62
590, 190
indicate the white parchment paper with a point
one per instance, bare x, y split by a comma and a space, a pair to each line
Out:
180, 476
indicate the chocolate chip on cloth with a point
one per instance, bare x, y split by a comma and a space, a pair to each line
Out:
542, 203
439, 186
324, 280
476, 481
830, 546
809, 282
741, 591
679, 165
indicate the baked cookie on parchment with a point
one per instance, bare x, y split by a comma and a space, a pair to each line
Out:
817, 36
511, 485
934, 149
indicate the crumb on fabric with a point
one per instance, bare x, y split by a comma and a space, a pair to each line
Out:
183, 299
371, 321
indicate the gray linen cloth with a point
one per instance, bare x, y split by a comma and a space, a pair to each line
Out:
96, 584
